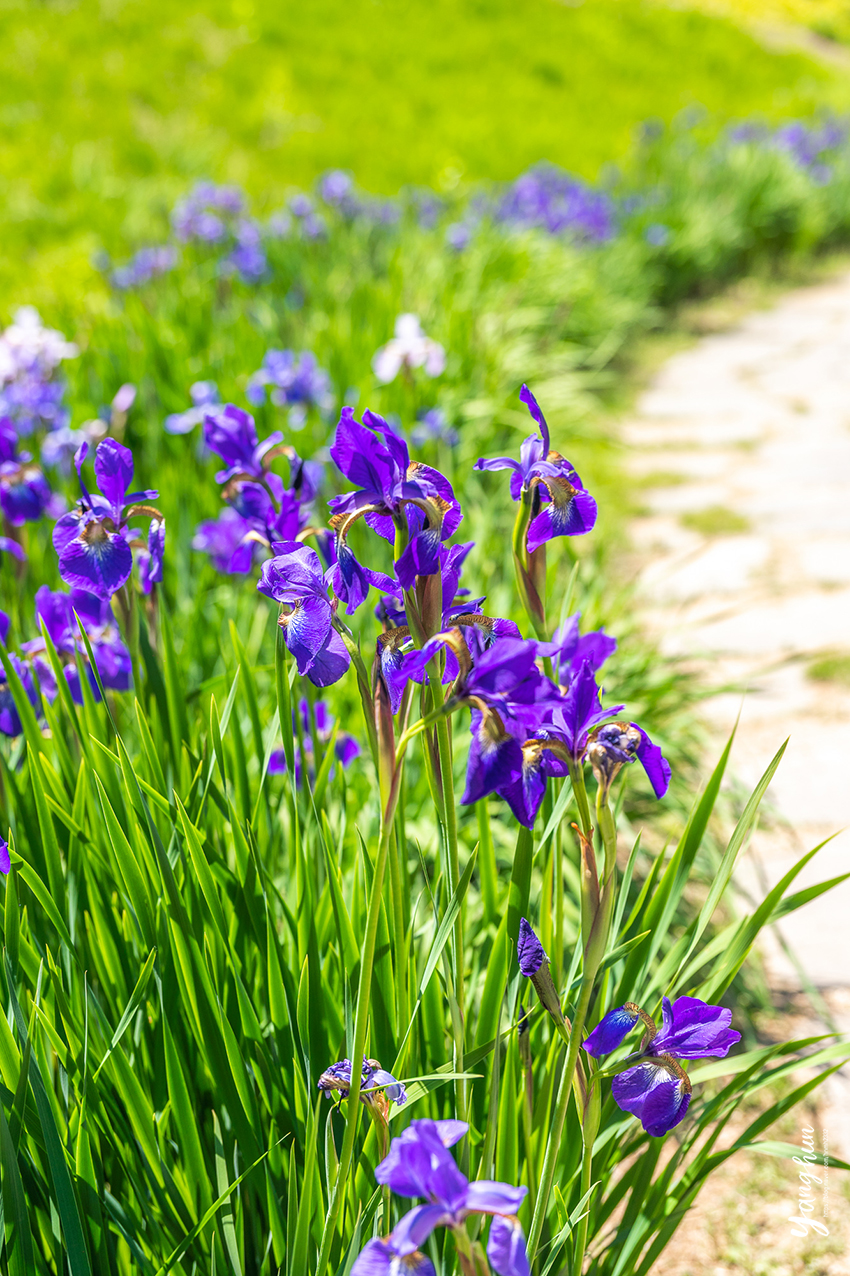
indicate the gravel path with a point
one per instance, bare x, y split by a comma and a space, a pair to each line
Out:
744, 444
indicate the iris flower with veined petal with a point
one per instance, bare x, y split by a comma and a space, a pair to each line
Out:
657, 1089
93, 541
24, 491
418, 1164
295, 578
58, 612
569, 649
390, 485
562, 506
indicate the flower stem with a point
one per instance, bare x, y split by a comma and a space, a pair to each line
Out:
364, 990
580, 792
556, 1129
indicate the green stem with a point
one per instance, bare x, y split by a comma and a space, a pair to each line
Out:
580, 793
364, 988
553, 1143
607, 831
590, 1127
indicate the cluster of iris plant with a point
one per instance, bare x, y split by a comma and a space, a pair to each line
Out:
810, 146
98, 545
32, 408
536, 714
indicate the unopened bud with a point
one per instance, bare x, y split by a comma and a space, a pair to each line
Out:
534, 964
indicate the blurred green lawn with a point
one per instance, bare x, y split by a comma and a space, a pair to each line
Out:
109, 110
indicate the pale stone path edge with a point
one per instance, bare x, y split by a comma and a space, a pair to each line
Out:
755, 422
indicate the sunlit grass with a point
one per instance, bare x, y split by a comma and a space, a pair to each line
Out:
109, 110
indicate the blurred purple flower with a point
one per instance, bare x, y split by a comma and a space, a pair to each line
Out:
549, 199
204, 395
145, 264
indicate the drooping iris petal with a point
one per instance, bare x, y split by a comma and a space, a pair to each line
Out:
650, 1093
150, 566
506, 1248
572, 512
694, 1030
306, 629
451, 1131
351, 581
487, 1196
5, 859
654, 763
495, 759
524, 795
611, 1031
100, 564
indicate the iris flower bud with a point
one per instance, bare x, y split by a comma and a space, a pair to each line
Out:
534, 964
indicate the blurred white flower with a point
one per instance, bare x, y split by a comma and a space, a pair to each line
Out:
409, 348
27, 346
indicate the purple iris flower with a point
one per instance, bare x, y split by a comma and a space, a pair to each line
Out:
94, 544
247, 257
294, 577
509, 698
570, 650
232, 435
374, 457
540, 744
401, 662
579, 712
59, 611
433, 426
548, 198
221, 537
261, 510
692, 1029
9, 546
561, 506
6, 862
204, 395
418, 1164
24, 493
346, 747
398, 1255
373, 1078
510, 701
144, 265
205, 212
657, 1089
297, 382
10, 722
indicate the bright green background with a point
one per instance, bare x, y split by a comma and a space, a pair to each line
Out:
108, 111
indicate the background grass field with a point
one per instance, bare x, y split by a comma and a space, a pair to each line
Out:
109, 110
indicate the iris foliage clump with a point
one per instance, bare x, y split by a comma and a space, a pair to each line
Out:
325, 921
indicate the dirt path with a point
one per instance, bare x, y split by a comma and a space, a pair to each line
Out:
744, 443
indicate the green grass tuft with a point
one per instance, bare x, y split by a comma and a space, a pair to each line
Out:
715, 520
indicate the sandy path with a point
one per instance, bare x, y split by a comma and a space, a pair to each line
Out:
754, 424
